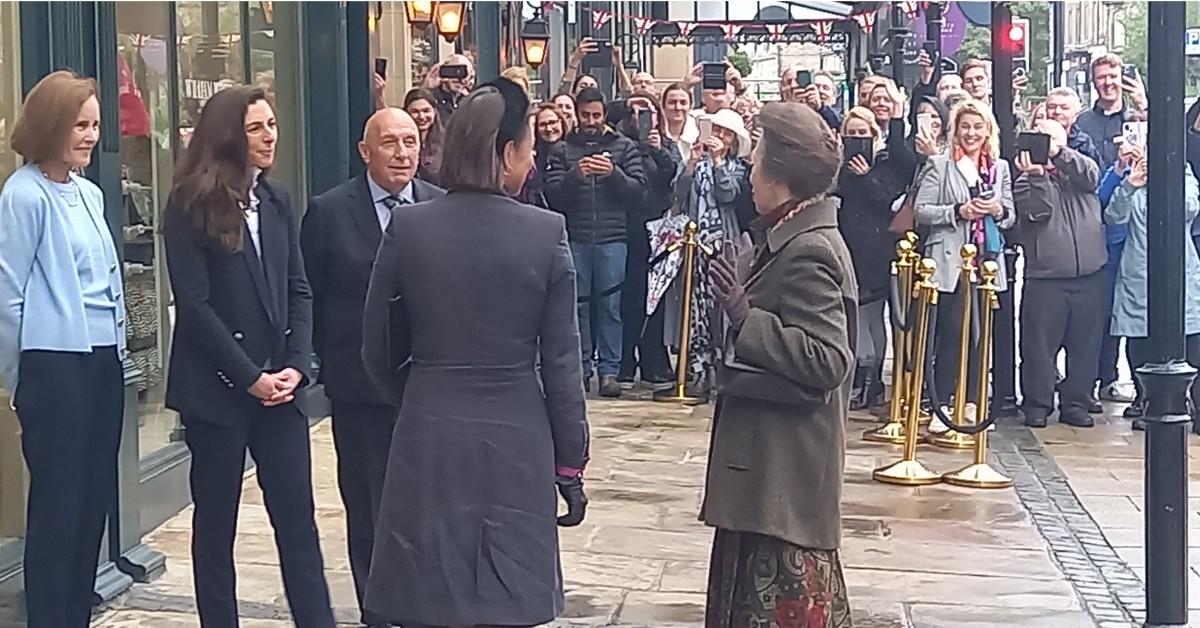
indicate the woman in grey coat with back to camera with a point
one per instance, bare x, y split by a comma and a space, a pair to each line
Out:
467, 292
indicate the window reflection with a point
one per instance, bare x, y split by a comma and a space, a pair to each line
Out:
12, 469
144, 89
210, 56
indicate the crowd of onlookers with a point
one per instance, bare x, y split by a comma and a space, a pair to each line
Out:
622, 169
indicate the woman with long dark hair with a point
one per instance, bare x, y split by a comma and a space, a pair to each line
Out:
422, 106
241, 350
466, 534
62, 339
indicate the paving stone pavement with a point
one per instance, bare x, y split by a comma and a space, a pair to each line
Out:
1111, 496
929, 557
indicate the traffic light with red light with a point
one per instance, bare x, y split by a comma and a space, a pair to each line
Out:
1017, 42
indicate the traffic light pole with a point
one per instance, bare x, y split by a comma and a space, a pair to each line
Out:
1004, 339
1167, 379
896, 36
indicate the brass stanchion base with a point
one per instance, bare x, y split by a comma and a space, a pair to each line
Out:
891, 433
951, 440
906, 473
681, 399
978, 476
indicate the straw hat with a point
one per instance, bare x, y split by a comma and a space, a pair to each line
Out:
730, 119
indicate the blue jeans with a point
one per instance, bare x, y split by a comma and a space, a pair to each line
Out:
600, 268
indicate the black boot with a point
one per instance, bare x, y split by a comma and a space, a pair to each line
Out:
875, 392
860, 399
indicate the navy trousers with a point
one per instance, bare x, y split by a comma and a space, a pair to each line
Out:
70, 406
277, 438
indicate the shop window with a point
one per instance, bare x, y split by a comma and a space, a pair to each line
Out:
144, 89
12, 468
210, 56
275, 67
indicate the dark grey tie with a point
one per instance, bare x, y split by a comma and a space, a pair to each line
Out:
392, 202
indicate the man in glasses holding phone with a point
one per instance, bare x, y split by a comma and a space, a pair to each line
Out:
1061, 229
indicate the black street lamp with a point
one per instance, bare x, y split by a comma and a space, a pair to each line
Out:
535, 41
1167, 378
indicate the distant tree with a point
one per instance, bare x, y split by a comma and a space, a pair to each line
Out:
1134, 18
741, 61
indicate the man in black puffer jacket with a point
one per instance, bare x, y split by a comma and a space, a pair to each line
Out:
593, 177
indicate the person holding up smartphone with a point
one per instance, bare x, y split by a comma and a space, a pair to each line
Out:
1130, 207
1104, 123
867, 184
964, 196
715, 191
593, 177
450, 80
643, 350
1061, 230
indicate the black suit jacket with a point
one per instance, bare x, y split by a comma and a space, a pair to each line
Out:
340, 236
236, 315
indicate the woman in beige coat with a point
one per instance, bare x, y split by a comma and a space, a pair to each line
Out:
774, 481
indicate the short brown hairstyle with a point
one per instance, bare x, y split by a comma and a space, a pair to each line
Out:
1106, 59
798, 149
48, 114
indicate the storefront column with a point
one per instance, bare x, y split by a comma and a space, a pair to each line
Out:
487, 40
326, 95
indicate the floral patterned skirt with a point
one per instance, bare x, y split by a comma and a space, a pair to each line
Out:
757, 581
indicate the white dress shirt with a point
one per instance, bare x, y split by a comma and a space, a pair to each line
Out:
251, 214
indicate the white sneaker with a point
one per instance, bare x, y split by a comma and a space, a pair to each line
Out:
971, 416
937, 426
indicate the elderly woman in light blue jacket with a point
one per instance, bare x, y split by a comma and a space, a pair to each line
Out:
62, 340
1130, 309
964, 196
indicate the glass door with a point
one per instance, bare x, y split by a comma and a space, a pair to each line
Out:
13, 479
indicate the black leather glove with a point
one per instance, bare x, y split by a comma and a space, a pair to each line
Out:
727, 289
571, 489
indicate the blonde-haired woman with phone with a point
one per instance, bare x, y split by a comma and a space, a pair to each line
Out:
867, 188
964, 196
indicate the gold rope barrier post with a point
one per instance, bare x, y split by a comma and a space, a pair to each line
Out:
893, 431
951, 439
690, 243
979, 474
909, 472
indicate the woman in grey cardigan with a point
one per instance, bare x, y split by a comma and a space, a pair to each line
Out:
964, 197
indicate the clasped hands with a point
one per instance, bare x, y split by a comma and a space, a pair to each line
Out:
275, 389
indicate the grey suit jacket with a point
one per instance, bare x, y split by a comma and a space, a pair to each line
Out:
941, 187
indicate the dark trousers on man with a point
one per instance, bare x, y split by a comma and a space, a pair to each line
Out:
362, 437
70, 436
1061, 313
277, 438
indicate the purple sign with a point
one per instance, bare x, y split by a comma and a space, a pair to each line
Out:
954, 29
